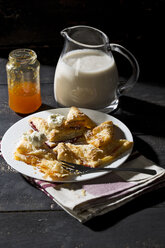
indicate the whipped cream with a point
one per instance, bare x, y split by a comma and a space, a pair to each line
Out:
35, 138
55, 120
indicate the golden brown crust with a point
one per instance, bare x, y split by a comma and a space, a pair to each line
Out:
81, 154
39, 124
90, 155
77, 118
101, 135
42, 158
76, 140
117, 147
74, 126
64, 133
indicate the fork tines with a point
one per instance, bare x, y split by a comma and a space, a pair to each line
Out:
74, 168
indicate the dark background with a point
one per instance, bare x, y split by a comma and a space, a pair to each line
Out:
36, 24
29, 218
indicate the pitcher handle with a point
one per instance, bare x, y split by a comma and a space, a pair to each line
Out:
124, 86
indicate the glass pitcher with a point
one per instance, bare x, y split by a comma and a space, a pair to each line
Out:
86, 75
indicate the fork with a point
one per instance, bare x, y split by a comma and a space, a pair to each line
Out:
81, 169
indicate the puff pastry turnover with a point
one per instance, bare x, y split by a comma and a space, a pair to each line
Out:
41, 157
76, 139
89, 155
101, 135
77, 118
74, 126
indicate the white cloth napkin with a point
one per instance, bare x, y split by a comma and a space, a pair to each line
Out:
85, 200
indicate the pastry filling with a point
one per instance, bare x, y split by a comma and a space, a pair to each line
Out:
75, 138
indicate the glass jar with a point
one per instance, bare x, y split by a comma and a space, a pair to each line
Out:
23, 74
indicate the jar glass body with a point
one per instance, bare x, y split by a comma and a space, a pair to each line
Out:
23, 75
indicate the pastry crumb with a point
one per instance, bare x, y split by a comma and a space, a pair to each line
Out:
83, 192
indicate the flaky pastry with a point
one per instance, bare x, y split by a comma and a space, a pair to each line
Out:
39, 156
75, 138
89, 155
74, 126
101, 135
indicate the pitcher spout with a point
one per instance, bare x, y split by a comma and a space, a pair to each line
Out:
85, 36
65, 32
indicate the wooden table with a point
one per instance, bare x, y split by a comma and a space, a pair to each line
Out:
28, 218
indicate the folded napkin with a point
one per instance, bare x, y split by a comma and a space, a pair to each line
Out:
87, 199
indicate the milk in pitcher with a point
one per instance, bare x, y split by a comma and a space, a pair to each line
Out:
86, 78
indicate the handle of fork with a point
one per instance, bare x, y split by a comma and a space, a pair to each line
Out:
140, 170
78, 168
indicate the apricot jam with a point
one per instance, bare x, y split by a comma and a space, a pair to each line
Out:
24, 97
23, 73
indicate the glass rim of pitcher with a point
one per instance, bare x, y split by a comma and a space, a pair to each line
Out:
106, 39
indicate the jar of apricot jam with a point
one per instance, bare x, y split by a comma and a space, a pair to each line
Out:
23, 75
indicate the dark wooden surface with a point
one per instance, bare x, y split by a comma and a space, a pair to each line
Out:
28, 218
137, 24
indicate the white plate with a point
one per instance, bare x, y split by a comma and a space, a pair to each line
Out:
14, 133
